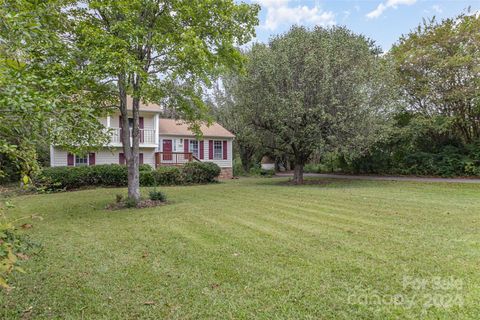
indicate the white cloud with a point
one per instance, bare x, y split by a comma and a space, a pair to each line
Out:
280, 12
437, 8
388, 4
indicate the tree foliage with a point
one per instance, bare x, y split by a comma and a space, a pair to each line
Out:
438, 67
45, 97
161, 51
311, 90
228, 111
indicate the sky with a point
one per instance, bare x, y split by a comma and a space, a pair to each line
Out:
381, 20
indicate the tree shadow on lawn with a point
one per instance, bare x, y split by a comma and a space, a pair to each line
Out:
331, 183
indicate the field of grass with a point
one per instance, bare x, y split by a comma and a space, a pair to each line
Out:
255, 248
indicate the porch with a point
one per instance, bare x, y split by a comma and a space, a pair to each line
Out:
173, 158
147, 136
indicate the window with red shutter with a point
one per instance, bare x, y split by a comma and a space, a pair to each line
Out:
70, 159
201, 150
225, 153
121, 158
91, 159
210, 149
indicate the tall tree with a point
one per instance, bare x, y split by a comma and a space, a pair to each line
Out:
160, 51
45, 97
314, 90
229, 112
438, 68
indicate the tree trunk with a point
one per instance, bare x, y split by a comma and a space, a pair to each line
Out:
134, 162
298, 173
130, 143
246, 154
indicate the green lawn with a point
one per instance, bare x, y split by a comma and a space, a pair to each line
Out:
255, 248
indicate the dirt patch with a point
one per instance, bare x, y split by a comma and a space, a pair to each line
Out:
307, 182
142, 204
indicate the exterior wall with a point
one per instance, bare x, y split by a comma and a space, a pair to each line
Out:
101, 157
178, 147
148, 122
268, 166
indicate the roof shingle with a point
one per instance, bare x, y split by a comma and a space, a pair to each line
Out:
180, 128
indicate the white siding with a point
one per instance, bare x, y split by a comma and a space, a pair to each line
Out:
221, 163
102, 157
115, 120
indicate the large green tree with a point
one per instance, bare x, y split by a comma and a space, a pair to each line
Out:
438, 68
314, 90
228, 111
160, 51
45, 97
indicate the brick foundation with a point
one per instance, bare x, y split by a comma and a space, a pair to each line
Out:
226, 173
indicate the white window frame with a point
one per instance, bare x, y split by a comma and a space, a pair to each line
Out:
216, 155
193, 147
81, 163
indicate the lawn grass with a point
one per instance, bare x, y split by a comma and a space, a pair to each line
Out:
254, 248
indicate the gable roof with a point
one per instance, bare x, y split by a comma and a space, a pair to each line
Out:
144, 106
180, 128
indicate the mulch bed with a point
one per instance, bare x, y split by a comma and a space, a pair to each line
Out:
321, 181
142, 204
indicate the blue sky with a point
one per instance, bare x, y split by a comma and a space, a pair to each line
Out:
382, 20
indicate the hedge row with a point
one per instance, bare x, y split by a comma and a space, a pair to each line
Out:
114, 175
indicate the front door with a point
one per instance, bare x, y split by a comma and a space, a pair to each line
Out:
167, 150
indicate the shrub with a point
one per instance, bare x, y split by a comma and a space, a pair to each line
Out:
257, 170
131, 202
108, 175
58, 178
200, 172
238, 168
145, 167
157, 196
312, 168
167, 176
114, 175
147, 178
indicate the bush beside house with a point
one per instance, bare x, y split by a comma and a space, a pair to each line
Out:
114, 175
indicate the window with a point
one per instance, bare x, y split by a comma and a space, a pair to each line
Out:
194, 147
217, 150
130, 123
81, 160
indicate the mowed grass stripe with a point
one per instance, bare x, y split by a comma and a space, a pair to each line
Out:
248, 248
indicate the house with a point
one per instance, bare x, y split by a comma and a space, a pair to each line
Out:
163, 142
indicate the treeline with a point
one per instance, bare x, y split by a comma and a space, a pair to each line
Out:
330, 100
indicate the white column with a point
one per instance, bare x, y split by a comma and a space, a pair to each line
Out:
157, 129
108, 121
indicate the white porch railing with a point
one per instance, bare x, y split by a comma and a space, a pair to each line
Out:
147, 136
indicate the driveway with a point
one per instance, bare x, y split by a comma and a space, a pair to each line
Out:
381, 178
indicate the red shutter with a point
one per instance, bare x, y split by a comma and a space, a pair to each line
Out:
91, 159
121, 158
140, 126
201, 150
185, 145
210, 149
225, 151
140, 157
70, 159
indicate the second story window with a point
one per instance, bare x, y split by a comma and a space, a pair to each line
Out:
194, 147
217, 150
